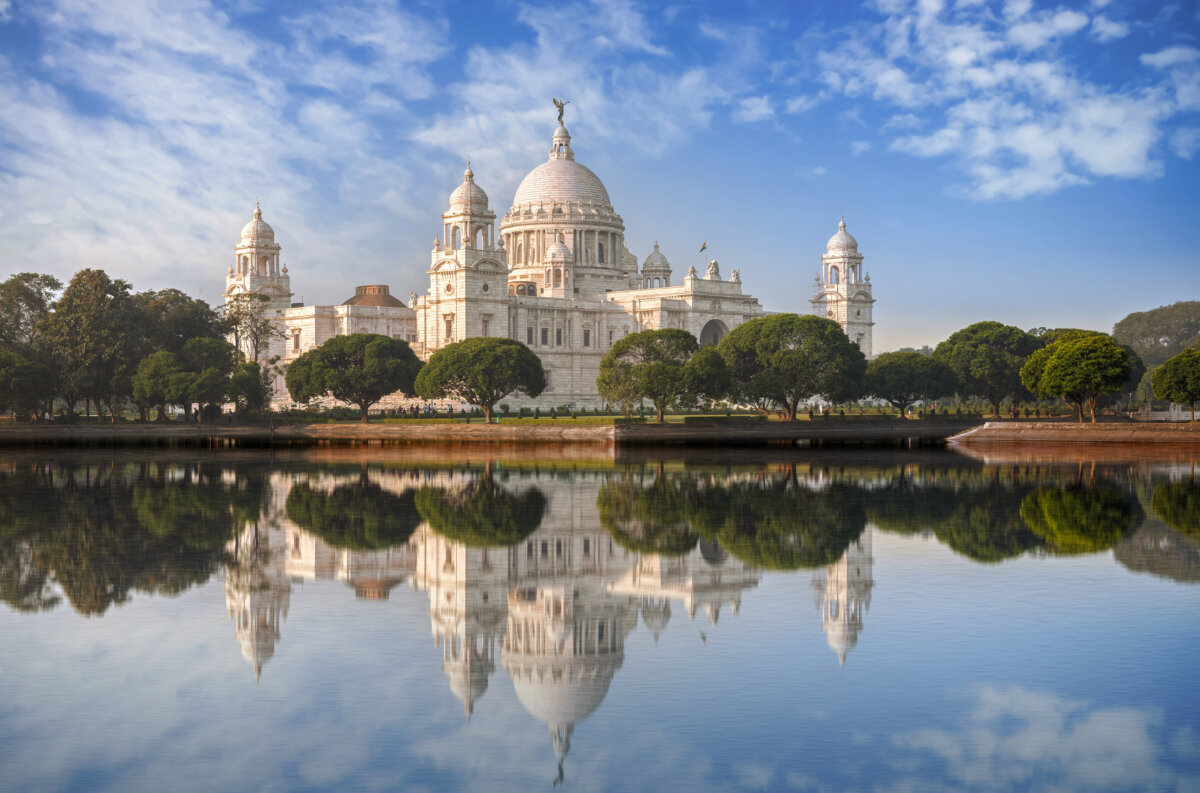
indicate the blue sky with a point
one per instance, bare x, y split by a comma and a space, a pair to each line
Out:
1032, 162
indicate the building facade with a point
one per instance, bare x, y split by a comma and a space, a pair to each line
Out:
553, 272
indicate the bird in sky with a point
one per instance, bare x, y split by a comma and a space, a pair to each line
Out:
705, 245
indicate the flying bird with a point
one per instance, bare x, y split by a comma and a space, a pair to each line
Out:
705, 245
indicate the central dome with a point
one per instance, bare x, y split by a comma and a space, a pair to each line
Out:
561, 180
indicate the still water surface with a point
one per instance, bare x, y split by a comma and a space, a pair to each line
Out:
367, 620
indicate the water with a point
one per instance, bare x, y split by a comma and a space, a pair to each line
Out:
392, 620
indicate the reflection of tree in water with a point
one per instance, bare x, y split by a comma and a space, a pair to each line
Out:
359, 516
483, 513
653, 519
102, 532
1080, 520
1178, 505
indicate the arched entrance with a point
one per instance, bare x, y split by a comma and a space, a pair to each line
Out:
714, 330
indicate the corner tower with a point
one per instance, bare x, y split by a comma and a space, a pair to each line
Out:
256, 267
842, 291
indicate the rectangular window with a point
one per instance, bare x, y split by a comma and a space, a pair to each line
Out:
296, 342
558, 336
529, 550
587, 547
545, 549
610, 338
484, 324
545, 337
587, 338
449, 328
529, 336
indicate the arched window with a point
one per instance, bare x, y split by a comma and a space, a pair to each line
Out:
520, 253
456, 239
600, 252
833, 275
480, 239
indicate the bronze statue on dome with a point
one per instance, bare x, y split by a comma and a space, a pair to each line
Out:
560, 106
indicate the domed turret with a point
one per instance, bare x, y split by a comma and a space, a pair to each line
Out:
842, 241
468, 196
257, 230
558, 252
656, 270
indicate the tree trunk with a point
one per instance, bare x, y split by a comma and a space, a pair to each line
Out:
660, 410
362, 406
1092, 408
487, 413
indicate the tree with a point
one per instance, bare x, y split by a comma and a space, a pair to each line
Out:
252, 322
901, 378
93, 335
360, 516
652, 520
1178, 379
481, 371
360, 368
1160, 333
210, 363
664, 366
483, 514
25, 385
1081, 367
1177, 504
987, 358
1079, 520
787, 359
160, 381
172, 318
250, 387
25, 300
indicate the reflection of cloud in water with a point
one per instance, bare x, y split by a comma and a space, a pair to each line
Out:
1016, 739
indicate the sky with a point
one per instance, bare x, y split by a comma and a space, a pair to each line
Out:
1036, 163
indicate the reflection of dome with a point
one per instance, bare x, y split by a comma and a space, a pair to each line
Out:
842, 241
563, 700
373, 295
712, 552
468, 195
562, 180
257, 229
656, 613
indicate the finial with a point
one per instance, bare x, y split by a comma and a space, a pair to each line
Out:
468, 175
257, 210
656, 245
842, 224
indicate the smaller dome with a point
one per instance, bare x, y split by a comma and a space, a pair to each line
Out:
373, 295
257, 229
469, 195
558, 251
842, 241
656, 261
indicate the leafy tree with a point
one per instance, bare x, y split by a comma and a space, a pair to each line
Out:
481, 371
901, 378
1178, 505
987, 358
25, 300
359, 516
1160, 333
25, 385
94, 335
482, 514
210, 363
663, 366
250, 387
787, 359
172, 318
1081, 367
1178, 379
1079, 520
160, 381
707, 376
360, 369
252, 322
654, 519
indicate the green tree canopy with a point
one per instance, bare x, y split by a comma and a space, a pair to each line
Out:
1080, 520
987, 358
25, 385
360, 368
25, 300
481, 371
1178, 379
482, 514
786, 359
1177, 504
901, 378
664, 366
171, 318
652, 519
1080, 367
249, 318
1160, 333
161, 381
360, 516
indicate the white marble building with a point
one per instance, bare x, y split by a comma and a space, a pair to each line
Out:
555, 274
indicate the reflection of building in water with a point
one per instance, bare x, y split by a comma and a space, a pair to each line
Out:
257, 593
705, 578
843, 595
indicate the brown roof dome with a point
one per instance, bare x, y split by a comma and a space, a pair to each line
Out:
373, 295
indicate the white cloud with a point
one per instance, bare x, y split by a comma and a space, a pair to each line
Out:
903, 121
811, 172
1171, 56
753, 109
860, 146
5, 10
803, 103
1185, 142
1105, 29
1037, 33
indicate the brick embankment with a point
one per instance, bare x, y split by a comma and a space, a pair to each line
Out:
1073, 432
830, 430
